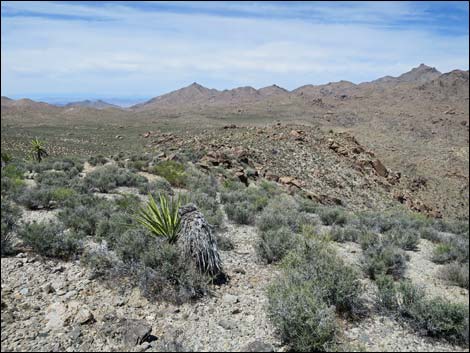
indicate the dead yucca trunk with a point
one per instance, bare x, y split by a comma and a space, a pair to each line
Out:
198, 242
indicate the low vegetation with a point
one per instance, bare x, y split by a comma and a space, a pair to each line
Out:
435, 317
314, 287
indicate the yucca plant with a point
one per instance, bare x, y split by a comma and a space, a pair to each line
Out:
162, 219
38, 150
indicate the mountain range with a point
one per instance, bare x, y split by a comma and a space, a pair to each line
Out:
196, 94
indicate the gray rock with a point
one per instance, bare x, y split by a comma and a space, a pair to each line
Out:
135, 331
226, 324
258, 346
230, 299
48, 289
24, 291
75, 333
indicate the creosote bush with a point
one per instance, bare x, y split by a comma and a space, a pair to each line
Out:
332, 216
383, 258
435, 317
10, 216
106, 178
174, 172
314, 285
274, 244
50, 239
456, 273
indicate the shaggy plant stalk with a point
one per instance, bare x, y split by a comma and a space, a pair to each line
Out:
198, 242
162, 219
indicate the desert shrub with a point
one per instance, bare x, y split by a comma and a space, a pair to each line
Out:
107, 178
332, 216
53, 178
282, 211
453, 248
386, 293
97, 160
241, 212
241, 202
430, 234
338, 283
70, 165
303, 319
127, 203
274, 244
435, 317
102, 263
155, 187
174, 172
83, 212
347, 233
368, 239
224, 243
406, 239
456, 273
113, 227
61, 194
37, 198
197, 181
131, 244
167, 274
383, 258
12, 183
458, 227
209, 207
50, 239
10, 216
314, 284
307, 205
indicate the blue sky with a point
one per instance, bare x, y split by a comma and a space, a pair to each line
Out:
136, 50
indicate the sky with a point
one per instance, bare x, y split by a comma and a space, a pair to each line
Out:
130, 51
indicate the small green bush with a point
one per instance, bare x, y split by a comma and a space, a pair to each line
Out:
104, 179
347, 233
37, 198
173, 172
241, 212
332, 216
167, 275
50, 239
406, 239
430, 234
131, 244
314, 284
274, 244
456, 273
97, 160
156, 187
386, 293
435, 317
384, 259
453, 248
10, 216
83, 213
304, 320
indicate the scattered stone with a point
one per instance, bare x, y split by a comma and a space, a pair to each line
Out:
258, 346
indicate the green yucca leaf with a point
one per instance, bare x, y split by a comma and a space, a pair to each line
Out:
162, 219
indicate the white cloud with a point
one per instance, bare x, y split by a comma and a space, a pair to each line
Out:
148, 52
